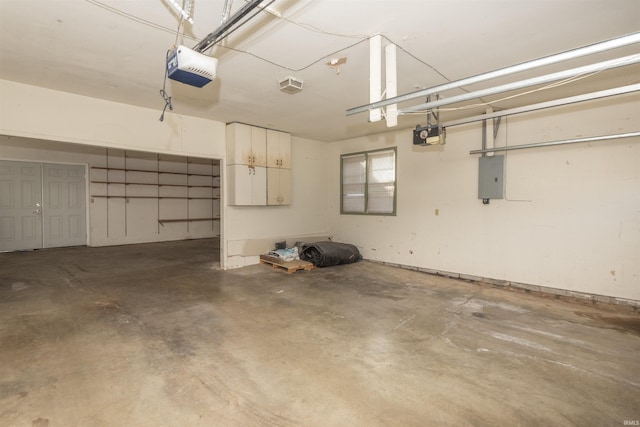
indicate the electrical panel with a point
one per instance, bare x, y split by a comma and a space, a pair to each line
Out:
491, 178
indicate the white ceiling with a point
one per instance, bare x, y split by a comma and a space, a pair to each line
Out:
115, 50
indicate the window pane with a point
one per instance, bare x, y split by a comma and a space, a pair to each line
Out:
353, 169
353, 183
369, 182
381, 198
353, 203
381, 167
381, 183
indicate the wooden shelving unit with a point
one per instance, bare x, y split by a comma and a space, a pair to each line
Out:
129, 187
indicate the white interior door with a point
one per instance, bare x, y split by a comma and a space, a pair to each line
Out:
20, 206
64, 211
41, 205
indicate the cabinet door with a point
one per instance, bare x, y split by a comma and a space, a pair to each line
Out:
285, 186
239, 184
259, 146
239, 144
278, 186
259, 186
278, 149
273, 149
285, 150
247, 186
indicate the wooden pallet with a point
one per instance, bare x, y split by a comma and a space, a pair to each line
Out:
288, 266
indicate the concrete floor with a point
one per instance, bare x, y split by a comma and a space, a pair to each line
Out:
156, 335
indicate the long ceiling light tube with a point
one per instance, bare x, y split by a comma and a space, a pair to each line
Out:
536, 63
586, 69
211, 39
552, 143
549, 104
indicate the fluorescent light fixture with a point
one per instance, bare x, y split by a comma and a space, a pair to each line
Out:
184, 12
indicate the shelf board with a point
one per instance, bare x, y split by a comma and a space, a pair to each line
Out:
161, 221
155, 185
157, 172
122, 183
154, 197
123, 197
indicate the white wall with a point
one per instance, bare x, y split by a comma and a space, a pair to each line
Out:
117, 221
252, 230
571, 219
35, 112
48, 115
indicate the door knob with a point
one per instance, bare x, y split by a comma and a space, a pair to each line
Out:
37, 212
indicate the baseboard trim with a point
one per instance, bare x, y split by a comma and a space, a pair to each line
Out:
560, 293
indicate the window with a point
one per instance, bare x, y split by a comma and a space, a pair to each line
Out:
369, 182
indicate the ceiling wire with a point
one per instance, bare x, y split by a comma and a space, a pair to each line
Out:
295, 70
132, 17
313, 28
310, 27
163, 92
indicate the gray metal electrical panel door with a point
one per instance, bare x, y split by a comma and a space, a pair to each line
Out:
491, 177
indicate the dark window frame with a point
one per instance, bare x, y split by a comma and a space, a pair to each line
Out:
366, 183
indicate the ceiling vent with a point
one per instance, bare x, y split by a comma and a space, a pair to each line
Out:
291, 85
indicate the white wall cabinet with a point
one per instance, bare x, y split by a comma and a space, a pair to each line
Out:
247, 186
258, 166
278, 186
246, 145
278, 149
246, 165
278, 168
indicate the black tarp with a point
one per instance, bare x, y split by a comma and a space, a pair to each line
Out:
325, 254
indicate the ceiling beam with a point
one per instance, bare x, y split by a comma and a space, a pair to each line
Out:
553, 143
549, 104
536, 63
547, 78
